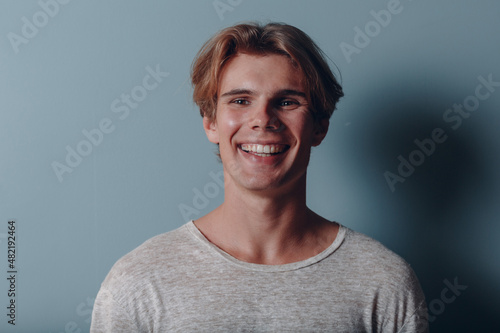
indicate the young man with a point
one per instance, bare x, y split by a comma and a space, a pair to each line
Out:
262, 261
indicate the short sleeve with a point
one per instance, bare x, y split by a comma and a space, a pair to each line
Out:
418, 322
109, 316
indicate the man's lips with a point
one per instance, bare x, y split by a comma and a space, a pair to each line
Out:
263, 150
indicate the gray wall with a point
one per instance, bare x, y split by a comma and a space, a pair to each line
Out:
64, 70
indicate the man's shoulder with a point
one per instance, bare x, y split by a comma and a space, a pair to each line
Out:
368, 248
161, 251
158, 245
377, 271
365, 255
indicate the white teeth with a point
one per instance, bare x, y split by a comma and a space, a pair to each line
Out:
263, 150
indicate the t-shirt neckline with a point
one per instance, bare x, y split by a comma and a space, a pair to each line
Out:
268, 268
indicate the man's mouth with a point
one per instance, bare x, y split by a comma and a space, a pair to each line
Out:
264, 150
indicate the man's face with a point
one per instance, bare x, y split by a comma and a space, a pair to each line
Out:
263, 125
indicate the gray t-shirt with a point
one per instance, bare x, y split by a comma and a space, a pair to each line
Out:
180, 282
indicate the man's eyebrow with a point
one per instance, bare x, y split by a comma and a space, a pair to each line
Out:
238, 91
283, 92
291, 92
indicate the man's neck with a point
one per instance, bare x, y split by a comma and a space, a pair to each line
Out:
267, 229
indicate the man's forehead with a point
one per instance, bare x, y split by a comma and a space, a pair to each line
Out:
251, 73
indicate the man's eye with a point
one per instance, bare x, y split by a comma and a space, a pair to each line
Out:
288, 103
240, 101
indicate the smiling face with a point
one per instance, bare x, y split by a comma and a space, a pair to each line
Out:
263, 124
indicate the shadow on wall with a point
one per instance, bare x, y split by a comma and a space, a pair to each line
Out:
429, 173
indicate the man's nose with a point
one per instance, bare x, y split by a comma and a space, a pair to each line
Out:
264, 118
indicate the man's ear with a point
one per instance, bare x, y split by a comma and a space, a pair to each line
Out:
210, 126
320, 130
